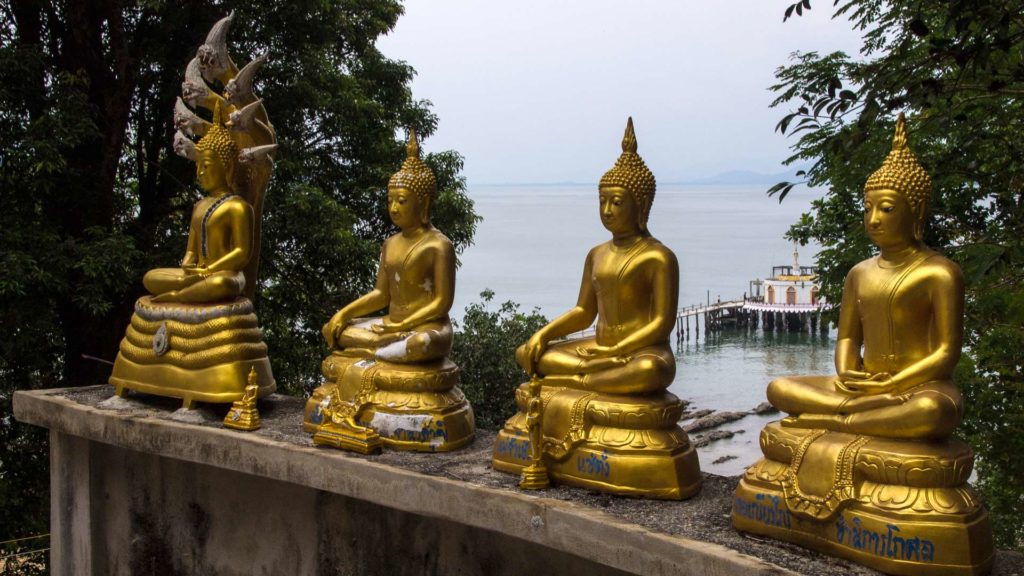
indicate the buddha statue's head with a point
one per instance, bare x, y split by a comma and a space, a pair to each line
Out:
216, 156
897, 195
627, 189
411, 189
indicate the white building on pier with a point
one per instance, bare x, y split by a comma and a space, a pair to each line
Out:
789, 289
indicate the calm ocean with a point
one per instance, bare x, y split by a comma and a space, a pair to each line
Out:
533, 239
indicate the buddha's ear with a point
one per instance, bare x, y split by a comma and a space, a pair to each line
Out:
425, 209
920, 213
230, 171
643, 213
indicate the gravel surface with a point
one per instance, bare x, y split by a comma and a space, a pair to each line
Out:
704, 517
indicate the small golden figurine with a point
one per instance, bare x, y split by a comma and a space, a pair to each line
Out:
535, 476
389, 380
608, 422
865, 467
196, 336
243, 414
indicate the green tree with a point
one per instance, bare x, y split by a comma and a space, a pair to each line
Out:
93, 195
957, 69
485, 349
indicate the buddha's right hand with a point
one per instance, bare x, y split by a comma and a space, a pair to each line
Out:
861, 383
849, 376
196, 270
534, 350
853, 375
332, 330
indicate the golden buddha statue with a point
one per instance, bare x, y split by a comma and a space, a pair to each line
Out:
244, 414
864, 466
388, 380
196, 337
220, 230
607, 421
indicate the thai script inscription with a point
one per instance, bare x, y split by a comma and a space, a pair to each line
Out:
888, 545
514, 448
593, 465
765, 509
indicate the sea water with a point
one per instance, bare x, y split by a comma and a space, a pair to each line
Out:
530, 249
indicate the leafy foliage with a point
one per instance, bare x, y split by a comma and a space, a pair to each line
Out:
957, 68
93, 195
485, 349
25, 557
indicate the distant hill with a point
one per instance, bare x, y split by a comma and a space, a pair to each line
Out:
737, 177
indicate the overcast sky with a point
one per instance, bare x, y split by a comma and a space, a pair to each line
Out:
536, 91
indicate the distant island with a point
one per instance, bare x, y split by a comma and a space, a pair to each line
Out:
729, 178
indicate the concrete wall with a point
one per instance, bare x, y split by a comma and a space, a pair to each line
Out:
126, 512
136, 493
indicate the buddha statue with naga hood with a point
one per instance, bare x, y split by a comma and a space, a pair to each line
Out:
388, 379
865, 466
196, 336
607, 422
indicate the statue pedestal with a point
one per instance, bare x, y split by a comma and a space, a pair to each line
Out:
196, 352
416, 407
902, 507
632, 446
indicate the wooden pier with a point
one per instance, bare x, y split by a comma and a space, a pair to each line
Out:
738, 313
747, 313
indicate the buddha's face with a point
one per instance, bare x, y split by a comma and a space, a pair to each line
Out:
889, 219
211, 172
619, 211
405, 208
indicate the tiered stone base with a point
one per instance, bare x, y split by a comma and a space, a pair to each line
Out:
904, 508
415, 407
196, 352
625, 445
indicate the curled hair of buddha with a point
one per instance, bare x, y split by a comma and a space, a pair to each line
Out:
631, 173
218, 140
902, 173
415, 175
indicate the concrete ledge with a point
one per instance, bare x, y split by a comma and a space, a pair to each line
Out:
102, 449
